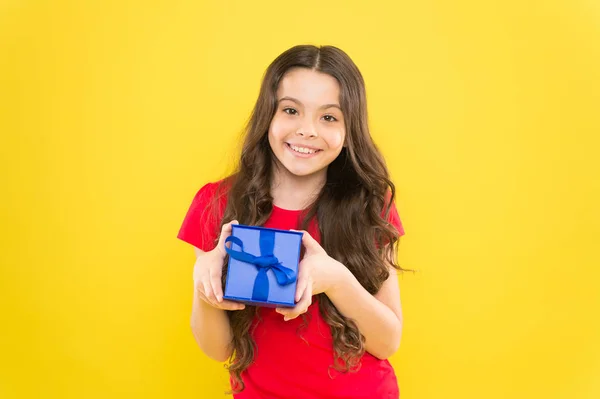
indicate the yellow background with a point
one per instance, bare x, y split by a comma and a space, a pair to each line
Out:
113, 114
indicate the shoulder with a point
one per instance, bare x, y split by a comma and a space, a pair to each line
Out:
212, 193
210, 189
202, 221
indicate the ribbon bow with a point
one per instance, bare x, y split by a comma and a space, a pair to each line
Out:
263, 263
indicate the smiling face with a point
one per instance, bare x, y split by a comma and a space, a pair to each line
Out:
307, 132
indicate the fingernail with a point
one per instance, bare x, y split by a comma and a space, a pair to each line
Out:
219, 298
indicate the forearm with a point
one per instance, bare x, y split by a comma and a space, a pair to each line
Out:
377, 322
211, 329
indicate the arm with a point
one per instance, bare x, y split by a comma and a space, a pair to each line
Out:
209, 321
379, 317
210, 325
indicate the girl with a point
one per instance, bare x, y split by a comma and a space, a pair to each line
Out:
308, 162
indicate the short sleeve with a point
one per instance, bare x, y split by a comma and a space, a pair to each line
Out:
201, 224
394, 219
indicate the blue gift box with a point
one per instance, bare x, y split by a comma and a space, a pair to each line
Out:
263, 265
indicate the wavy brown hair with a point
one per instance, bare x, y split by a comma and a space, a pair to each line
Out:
352, 206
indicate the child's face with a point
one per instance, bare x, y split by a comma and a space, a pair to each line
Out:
307, 131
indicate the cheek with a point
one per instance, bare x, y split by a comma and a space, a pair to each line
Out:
335, 139
279, 128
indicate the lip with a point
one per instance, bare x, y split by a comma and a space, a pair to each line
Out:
304, 146
299, 154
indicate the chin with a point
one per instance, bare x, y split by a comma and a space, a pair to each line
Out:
301, 172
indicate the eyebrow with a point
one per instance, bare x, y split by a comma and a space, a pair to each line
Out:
325, 106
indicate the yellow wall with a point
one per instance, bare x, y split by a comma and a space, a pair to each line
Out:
113, 113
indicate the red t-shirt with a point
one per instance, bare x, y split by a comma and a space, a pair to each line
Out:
292, 363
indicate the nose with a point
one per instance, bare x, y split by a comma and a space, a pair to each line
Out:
307, 129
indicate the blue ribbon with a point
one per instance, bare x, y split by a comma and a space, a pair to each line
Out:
263, 263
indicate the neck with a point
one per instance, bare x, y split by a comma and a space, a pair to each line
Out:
295, 192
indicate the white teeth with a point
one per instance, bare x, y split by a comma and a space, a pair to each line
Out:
302, 149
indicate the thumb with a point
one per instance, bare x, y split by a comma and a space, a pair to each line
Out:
225, 232
309, 242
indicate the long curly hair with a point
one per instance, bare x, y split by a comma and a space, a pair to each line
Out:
352, 206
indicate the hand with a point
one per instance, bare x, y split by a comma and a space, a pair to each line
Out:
317, 273
207, 274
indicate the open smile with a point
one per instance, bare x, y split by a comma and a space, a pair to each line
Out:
303, 152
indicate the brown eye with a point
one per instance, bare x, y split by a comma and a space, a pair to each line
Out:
290, 111
330, 118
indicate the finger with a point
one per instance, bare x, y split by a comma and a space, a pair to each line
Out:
199, 286
216, 284
208, 293
225, 304
225, 232
302, 283
230, 305
200, 291
300, 308
287, 312
309, 242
